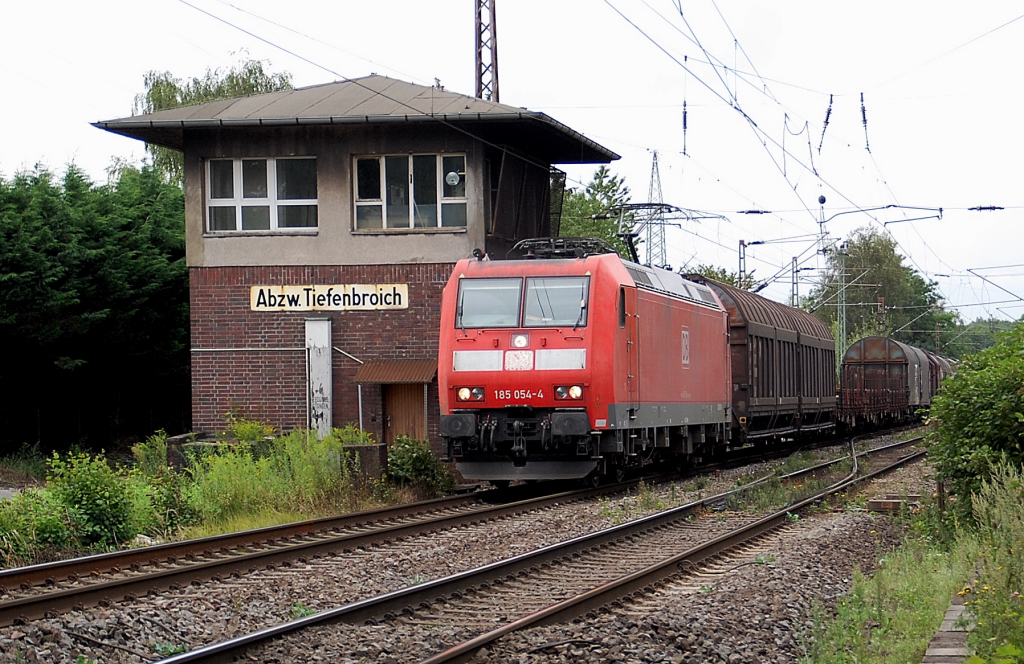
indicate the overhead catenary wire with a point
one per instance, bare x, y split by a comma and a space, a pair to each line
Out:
732, 95
733, 100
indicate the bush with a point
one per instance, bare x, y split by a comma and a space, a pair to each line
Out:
35, 526
979, 415
412, 462
96, 494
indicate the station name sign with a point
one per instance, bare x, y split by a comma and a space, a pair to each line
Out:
348, 297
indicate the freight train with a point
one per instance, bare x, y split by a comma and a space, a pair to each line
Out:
570, 362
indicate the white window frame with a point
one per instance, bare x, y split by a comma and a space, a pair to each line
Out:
271, 200
381, 202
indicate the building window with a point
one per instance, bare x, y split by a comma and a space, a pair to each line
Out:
261, 194
417, 191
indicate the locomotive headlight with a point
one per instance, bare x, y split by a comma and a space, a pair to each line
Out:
469, 394
520, 340
573, 392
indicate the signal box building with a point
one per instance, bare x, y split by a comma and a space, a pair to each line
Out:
322, 224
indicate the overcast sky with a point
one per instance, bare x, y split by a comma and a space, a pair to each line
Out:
941, 84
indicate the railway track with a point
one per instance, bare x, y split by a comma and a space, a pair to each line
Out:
46, 590
550, 584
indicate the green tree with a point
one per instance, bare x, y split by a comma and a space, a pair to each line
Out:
93, 306
979, 417
883, 296
585, 210
164, 91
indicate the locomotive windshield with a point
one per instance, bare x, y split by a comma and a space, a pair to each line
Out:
550, 302
554, 301
489, 302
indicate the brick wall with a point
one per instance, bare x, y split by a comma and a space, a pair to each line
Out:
234, 366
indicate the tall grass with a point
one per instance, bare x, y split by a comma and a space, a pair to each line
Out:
26, 465
890, 617
996, 598
297, 472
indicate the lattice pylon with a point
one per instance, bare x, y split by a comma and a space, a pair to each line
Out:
656, 252
486, 51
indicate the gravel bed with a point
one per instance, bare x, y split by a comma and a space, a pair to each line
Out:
750, 613
210, 612
202, 614
913, 479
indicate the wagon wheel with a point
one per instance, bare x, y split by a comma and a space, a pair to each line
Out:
593, 480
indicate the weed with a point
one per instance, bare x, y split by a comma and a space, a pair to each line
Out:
647, 499
168, 649
744, 480
764, 560
793, 516
350, 434
253, 432
301, 611
795, 462
704, 590
151, 455
27, 464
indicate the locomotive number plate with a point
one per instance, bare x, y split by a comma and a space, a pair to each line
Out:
518, 394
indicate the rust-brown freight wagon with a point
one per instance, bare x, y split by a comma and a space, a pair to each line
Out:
783, 359
884, 380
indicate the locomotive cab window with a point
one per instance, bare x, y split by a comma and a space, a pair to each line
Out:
488, 303
556, 301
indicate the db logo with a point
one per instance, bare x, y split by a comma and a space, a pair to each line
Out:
686, 347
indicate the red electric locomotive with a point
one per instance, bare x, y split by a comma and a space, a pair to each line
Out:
579, 366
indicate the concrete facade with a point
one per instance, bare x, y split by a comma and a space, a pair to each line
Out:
335, 241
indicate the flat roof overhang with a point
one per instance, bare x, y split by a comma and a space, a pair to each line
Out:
529, 132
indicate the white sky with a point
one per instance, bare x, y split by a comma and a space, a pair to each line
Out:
941, 82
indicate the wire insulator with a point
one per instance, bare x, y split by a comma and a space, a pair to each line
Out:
864, 117
684, 127
828, 114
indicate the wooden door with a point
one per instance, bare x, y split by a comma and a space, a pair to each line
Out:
403, 412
